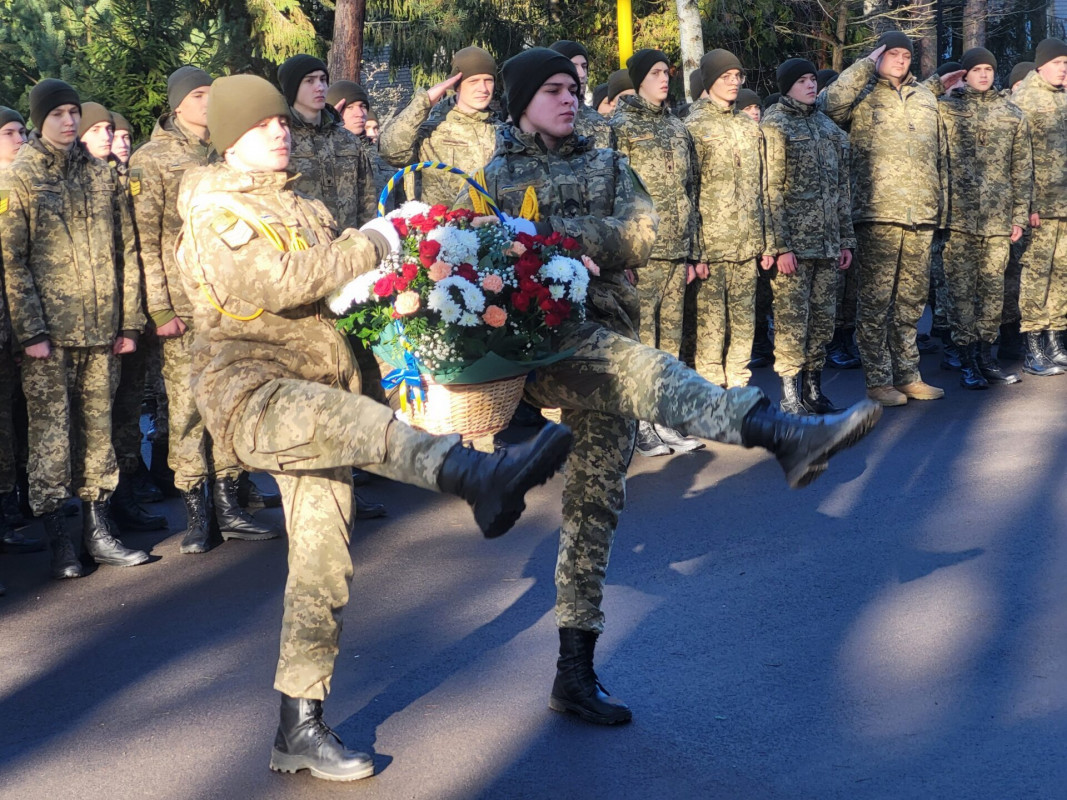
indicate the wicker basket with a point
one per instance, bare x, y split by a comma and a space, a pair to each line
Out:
469, 409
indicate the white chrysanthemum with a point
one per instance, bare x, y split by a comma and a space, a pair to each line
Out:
579, 284
408, 210
469, 319
441, 301
556, 291
457, 246
356, 292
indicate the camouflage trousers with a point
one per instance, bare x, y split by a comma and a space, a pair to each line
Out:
974, 279
937, 297
804, 315
126, 409
848, 297
190, 453
1013, 277
661, 290
1043, 283
894, 265
609, 382
726, 323
309, 436
68, 400
9, 378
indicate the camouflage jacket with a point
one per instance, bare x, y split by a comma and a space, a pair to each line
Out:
591, 125
990, 169
439, 133
587, 193
729, 148
223, 260
808, 206
331, 164
898, 146
1045, 109
68, 248
661, 152
156, 171
5, 318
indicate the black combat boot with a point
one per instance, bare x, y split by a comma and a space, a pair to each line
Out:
1012, 345
160, 472
811, 394
1035, 362
926, 344
65, 563
991, 369
365, 509
971, 376
11, 510
1054, 348
791, 403
11, 541
99, 540
251, 496
648, 442
762, 346
838, 353
677, 442
495, 484
199, 534
577, 688
234, 521
304, 741
950, 353
803, 445
128, 512
144, 488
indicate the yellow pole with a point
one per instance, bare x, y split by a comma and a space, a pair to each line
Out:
626, 31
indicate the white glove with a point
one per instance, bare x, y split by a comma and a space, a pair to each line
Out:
385, 228
520, 225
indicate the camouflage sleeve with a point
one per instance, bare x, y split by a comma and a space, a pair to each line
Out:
933, 83
942, 170
368, 188
762, 213
624, 240
839, 98
23, 302
126, 250
778, 238
692, 190
844, 195
398, 143
700, 151
1022, 175
148, 205
256, 272
621, 141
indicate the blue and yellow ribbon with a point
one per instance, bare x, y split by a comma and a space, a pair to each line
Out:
407, 377
424, 165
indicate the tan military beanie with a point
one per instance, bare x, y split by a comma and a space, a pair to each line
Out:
237, 104
93, 113
121, 123
473, 61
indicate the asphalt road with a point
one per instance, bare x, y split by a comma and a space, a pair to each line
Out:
897, 630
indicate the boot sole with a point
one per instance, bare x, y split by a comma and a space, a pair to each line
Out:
249, 537
865, 415
282, 762
654, 453
552, 444
1043, 373
565, 707
110, 562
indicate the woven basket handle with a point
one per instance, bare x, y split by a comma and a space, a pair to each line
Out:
424, 165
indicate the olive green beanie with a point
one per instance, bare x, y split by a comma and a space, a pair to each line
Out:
237, 104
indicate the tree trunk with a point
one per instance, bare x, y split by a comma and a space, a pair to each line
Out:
837, 57
928, 57
692, 38
346, 51
974, 19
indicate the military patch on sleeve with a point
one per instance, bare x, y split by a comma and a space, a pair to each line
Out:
135, 182
4, 204
235, 232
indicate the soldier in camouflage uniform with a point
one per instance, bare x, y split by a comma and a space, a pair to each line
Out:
729, 149
205, 475
1043, 284
352, 102
593, 196
73, 285
460, 131
898, 159
619, 85
809, 229
588, 122
661, 153
990, 180
278, 388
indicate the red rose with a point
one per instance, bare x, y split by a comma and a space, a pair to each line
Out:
468, 272
521, 301
437, 212
383, 287
401, 226
563, 307
554, 238
459, 214
570, 243
428, 252
554, 320
426, 225
547, 304
525, 239
409, 272
528, 285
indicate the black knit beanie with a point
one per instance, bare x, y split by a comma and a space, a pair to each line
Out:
8, 115
1020, 71
618, 82
894, 39
947, 67
349, 91
237, 104
292, 71
746, 98
642, 62
696, 84
600, 94
978, 55
525, 73
49, 94
182, 81
789, 72
92, 114
569, 49
1047, 50
771, 100
825, 77
473, 61
715, 63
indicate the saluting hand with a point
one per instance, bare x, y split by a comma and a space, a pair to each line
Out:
876, 54
439, 90
950, 80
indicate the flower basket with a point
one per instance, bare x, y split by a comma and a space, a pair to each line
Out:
469, 409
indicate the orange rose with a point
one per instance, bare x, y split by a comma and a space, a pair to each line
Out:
495, 316
439, 270
492, 283
407, 303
